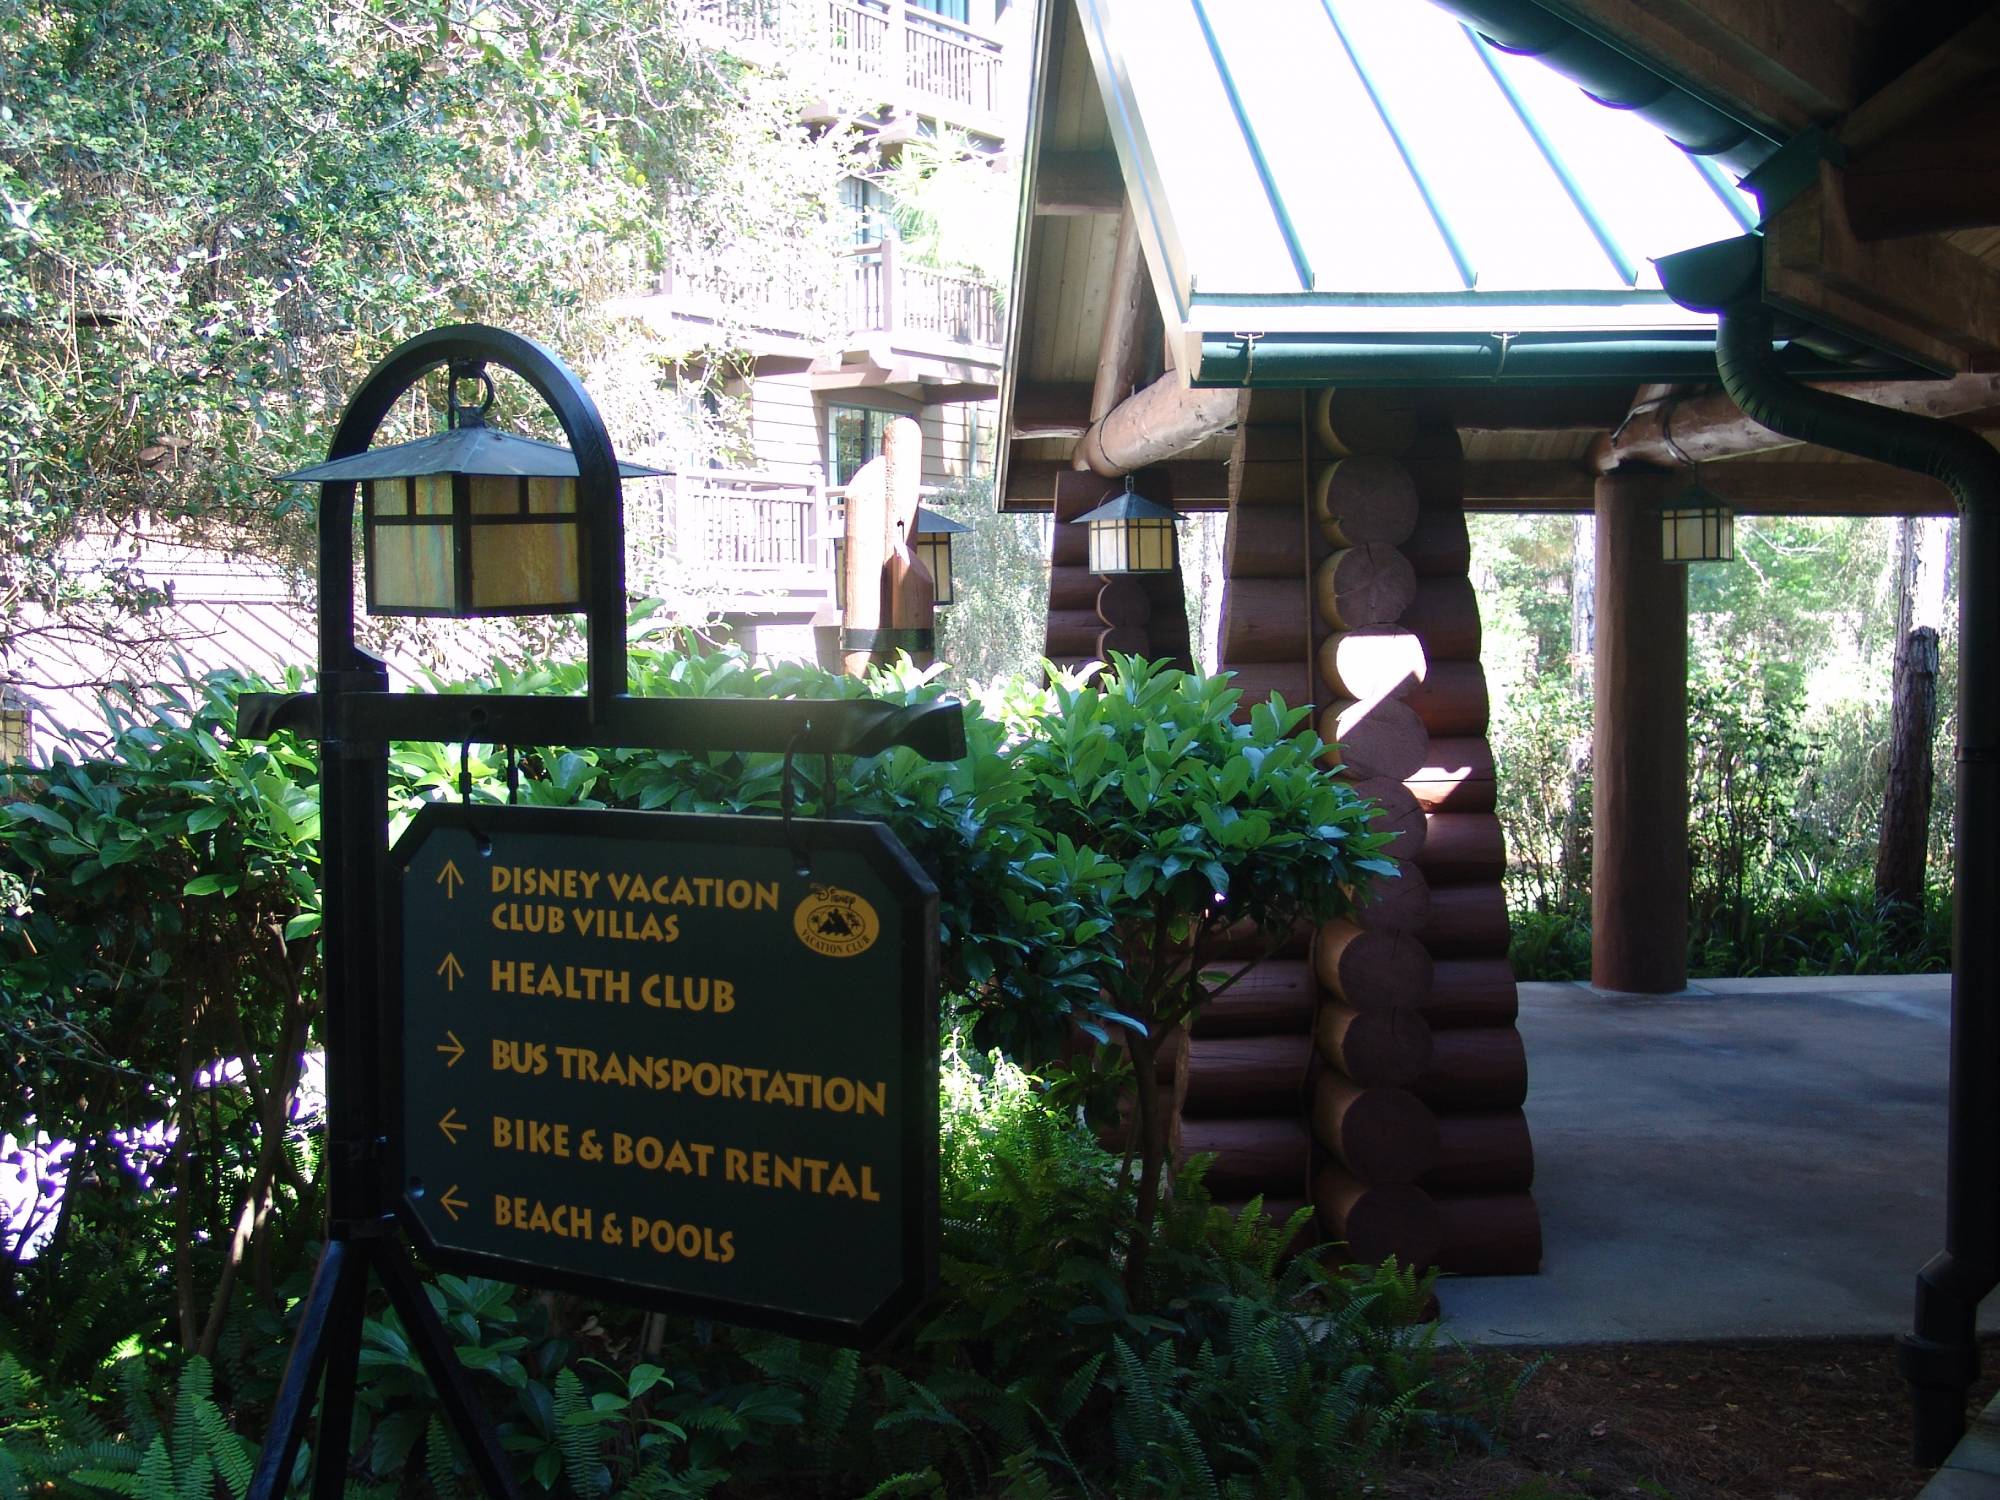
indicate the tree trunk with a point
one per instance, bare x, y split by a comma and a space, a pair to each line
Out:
1145, 1053
1582, 602
1906, 801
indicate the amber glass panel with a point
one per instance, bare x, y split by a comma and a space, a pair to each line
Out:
551, 497
936, 553
432, 494
525, 565
388, 497
409, 568
495, 494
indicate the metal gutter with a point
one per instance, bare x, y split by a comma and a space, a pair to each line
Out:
1611, 77
1466, 273
1626, 267
1475, 359
1300, 263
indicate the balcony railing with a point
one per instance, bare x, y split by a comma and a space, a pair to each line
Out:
887, 295
753, 533
914, 55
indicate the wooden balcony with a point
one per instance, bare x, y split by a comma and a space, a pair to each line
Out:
758, 539
915, 60
886, 294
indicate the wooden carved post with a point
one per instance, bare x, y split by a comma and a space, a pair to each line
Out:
867, 527
1639, 875
909, 602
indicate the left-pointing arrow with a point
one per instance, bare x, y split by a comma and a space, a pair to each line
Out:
451, 971
451, 1123
451, 1205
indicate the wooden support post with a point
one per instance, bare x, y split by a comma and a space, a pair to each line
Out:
867, 506
1639, 885
909, 593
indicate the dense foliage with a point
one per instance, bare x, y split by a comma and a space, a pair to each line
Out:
1788, 707
219, 213
157, 989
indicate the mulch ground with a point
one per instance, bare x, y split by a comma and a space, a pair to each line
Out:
1820, 1420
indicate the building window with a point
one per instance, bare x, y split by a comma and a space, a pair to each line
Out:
16, 730
853, 436
951, 10
867, 210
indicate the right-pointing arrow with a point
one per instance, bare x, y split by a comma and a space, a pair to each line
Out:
453, 1049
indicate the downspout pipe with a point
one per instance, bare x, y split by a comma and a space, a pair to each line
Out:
1940, 1356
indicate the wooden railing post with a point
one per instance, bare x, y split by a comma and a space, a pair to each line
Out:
890, 275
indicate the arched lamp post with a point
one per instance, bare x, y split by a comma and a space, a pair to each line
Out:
465, 523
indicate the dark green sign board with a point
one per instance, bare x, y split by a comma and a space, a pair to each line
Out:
645, 1057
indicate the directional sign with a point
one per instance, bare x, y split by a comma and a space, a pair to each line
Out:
647, 1057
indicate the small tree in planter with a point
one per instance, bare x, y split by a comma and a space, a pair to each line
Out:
1202, 824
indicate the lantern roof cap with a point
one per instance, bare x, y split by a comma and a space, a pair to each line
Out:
1130, 506
470, 449
935, 523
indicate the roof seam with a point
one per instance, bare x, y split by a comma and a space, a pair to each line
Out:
1459, 259
1621, 263
1300, 263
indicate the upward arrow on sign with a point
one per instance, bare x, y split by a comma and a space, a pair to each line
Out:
451, 971
451, 880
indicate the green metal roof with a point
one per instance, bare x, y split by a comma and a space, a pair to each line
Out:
1370, 189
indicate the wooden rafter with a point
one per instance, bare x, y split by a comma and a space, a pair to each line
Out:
1782, 488
1195, 484
1079, 182
1670, 432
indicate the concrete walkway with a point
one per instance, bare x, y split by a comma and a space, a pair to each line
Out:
1755, 1158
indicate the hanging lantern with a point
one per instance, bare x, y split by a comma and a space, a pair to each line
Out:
471, 521
934, 534
1131, 534
1695, 526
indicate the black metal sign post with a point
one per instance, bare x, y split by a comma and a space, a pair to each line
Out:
813, 1093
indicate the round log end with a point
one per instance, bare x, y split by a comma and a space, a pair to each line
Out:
1371, 584
1375, 737
1373, 661
1376, 1048
1365, 421
1366, 498
1380, 1219
1368, 969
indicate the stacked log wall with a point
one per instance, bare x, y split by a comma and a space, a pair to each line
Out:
1347, 588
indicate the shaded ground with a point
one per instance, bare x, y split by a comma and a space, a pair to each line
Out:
1820, 1420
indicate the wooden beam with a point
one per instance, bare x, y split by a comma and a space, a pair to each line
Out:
1195, 484
1923, 295
952, 392
1153, 425
1947, 74
1805, 488
1562, 408
1697, 429
1051, 409
1942, 173
1079, 182
1792, 63
1120, 346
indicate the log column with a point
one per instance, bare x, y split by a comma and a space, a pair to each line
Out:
1639, 885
